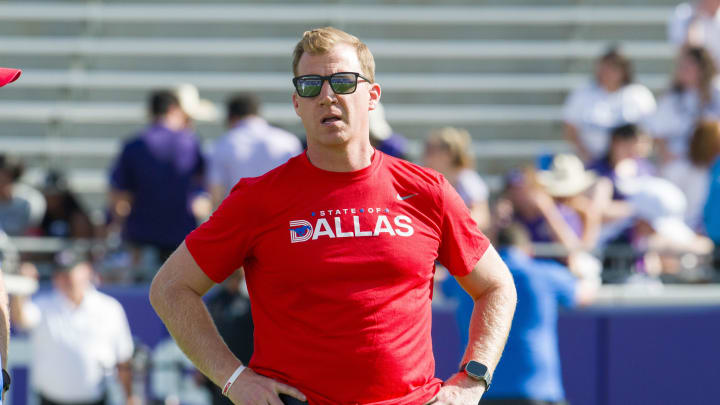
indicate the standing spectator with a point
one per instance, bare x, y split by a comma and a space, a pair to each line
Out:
692, 175
78, 334
449, 151
612, 99
249, 149
697, 24
694, 96
529, 371
156, 178
64, 217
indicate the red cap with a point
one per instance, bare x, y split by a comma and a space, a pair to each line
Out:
8, 75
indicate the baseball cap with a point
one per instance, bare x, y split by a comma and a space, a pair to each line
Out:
8, 75
67, 259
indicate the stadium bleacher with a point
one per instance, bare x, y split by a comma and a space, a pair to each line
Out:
499, 68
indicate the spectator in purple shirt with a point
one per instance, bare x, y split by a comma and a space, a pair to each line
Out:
155, 179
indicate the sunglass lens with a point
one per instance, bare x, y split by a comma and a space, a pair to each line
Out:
309, 87
343, 83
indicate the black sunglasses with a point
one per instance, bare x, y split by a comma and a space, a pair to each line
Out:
340, 83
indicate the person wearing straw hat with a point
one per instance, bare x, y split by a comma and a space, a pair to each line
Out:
554, 204
7, 76
158, 177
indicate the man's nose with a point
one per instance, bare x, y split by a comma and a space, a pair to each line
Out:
327, 95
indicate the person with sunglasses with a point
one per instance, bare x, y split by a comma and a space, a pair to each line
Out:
339, 247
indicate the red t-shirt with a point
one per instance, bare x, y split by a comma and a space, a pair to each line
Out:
340, 269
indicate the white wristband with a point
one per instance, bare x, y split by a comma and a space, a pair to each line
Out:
232, 379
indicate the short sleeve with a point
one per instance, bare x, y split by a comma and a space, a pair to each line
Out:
121, 175
462, 244
562, 283
123, 339
574, 106
220, 245
215, 165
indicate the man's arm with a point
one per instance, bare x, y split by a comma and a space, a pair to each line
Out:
492, 288
176, 295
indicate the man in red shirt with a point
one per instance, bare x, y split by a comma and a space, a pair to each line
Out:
339, 248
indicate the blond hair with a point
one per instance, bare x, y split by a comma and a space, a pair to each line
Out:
322, 40
458, 142
705, 143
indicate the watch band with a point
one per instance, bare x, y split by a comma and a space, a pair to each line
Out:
478, 372
6, 380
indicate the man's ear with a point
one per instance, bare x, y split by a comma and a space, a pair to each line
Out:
296, 106
374, 94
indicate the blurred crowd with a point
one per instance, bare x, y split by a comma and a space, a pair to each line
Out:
636, 200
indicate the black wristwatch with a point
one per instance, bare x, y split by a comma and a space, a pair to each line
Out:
478, 372
6, 380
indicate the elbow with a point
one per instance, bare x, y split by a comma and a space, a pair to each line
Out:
158, 293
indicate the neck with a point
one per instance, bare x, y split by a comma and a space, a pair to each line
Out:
341, 158
75, 297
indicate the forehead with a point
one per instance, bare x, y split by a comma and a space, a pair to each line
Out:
341, 58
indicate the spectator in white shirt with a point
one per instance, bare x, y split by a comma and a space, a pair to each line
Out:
79, 337
697, 24
695, 95
250, 148
611, 100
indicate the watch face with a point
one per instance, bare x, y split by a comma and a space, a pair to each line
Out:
476, 369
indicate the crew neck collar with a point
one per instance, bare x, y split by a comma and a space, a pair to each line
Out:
375, 162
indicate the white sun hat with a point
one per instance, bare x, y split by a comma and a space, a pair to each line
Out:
566, 177
195, 107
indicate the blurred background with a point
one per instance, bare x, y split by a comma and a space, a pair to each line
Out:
594, 124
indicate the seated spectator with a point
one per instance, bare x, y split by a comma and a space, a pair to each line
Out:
250, 148
610, 100
449, 151
382, 136
16, 209
155, 180
64, 217
692, 175
658, 232
697, 24
694, 96
559, 205
627, 144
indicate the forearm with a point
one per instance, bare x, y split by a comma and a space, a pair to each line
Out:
188, 321
125, 377
490, 325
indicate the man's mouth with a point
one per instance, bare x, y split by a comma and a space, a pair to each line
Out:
330, 119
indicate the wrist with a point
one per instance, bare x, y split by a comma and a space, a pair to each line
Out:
231, 380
